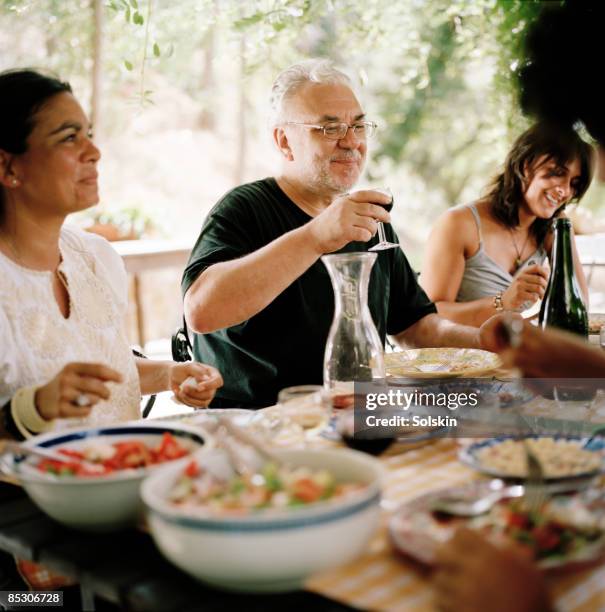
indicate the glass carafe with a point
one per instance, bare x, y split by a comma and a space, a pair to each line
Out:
354, 352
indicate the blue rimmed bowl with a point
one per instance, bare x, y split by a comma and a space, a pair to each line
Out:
594, 444
101, 503
268, 551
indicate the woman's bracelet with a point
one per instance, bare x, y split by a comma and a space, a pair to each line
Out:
25, 414
498, 305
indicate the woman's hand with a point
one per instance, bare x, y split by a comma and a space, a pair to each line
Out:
474, 575
197, 394
528, 286
76, 382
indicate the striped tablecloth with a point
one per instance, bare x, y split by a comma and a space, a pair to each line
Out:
382, 580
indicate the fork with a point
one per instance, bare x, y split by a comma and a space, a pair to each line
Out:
233, 439
535, 492
239, 465
240, 434
463, 506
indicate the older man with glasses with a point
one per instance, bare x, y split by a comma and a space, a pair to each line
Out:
256, 294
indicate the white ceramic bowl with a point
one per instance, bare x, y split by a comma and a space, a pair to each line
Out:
101, 503
268, 552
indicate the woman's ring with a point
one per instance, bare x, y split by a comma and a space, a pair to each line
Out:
82, 400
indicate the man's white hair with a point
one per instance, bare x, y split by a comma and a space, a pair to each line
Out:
291, 79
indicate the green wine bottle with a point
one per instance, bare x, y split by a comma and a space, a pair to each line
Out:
563, 305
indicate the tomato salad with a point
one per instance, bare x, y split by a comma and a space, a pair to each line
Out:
273, 487
103, 458
551, 532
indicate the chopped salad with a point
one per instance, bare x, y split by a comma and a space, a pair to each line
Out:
273, 487
103, 458
559, 529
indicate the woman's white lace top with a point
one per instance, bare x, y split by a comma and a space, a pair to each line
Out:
36, 341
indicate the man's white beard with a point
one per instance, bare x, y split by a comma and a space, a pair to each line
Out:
326, 182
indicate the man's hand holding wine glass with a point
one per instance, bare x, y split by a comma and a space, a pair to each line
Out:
351, 217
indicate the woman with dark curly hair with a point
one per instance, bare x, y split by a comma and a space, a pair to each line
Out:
488, 256
566, 39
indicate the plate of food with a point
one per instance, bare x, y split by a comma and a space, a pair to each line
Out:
561, 457
441, 362
595, 322
569, 530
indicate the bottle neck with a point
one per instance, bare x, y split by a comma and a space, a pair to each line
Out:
562, 252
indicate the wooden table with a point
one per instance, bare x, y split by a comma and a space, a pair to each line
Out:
383, 581
125, 568
144, 255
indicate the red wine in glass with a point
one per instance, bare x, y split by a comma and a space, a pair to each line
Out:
345, 427
383, 244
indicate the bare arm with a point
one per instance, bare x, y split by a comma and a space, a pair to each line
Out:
443, 269
230, 292
550, 354
444, 265
153, 375
433, 330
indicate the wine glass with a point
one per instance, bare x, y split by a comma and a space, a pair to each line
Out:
383, 244
306, 405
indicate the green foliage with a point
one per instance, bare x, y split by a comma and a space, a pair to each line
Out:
436, 74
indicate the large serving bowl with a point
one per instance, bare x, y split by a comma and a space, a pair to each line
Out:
268, 551
99, 503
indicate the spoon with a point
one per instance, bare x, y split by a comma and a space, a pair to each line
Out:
463, 506
9, 446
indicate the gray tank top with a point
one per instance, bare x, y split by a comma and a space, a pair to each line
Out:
482, 276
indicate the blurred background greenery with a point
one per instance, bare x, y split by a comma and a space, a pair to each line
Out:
178, 93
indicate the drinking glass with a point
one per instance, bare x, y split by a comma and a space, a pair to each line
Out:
383, 244
306, 405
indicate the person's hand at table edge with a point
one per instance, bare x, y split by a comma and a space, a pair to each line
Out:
194, 384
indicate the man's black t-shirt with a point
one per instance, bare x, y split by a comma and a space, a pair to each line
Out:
283, 345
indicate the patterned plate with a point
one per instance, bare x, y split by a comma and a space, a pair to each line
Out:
441, 363
595, 322
473, 457
416, 531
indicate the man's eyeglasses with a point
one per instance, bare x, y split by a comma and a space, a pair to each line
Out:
338, 131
